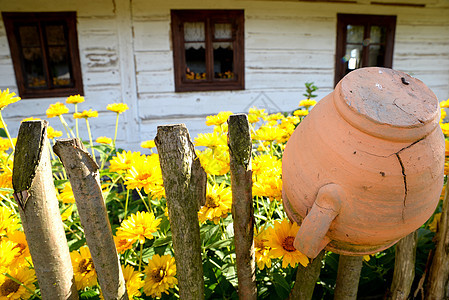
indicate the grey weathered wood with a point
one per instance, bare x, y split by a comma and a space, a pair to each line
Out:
306, 278
239, 143
39, 211
85, 180
439, 271
185, 189
404, 267
348, 277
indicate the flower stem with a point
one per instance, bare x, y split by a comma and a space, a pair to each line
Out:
66, 126
116, 126
126, 203
143, 200
90, 139
140, 256
6, 130
76, 122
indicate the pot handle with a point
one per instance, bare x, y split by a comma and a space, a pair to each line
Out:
311, 237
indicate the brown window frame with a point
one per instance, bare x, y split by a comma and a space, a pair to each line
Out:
236, 17
365, 20
12, 20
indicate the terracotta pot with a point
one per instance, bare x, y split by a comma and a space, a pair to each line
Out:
365, 167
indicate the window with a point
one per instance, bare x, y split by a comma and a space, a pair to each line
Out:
208, 50
363, 41
44, 51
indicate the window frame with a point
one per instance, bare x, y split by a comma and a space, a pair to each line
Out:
209, 17
367, 21
12, 20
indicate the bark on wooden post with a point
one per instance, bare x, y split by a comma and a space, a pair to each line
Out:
404, 267
239, 143
185, 189
35, 194
348, 277
85, 180
306, 278
437, 285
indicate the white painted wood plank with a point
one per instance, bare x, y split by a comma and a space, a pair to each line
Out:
272, 59
154, 61
155, 82
152, 36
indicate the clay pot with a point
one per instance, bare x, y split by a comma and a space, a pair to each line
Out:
365, 167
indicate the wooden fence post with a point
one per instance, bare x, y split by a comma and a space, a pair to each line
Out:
306, 278
85, 180
240, 146
185, 189
404, 267
437, 284
348, 277
34, 192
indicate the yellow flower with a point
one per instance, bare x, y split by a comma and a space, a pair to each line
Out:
83, 268
218, 203
307, 103
123, 244
300, 112
5, 144
138, 226
117, 107
123, 161
258, 113
444, 104
146, 173
12, 290
52, 133
8, 252
160, 275
86, 114
133, 280
66, 195
445, 128
275, 117
433, 226
269, 133
268, 186
67, 212
5, 182
218, 119
18, 237
443, 114
8, 222
148, 144
7, 98
281, 239
211, 140
30, 119
266, 164
56, 109
103, 140
74, 99
223, 128
262, 250
215, 162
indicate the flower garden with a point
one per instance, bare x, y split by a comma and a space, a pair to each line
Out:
133, 189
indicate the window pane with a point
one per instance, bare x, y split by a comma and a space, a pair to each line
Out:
196, 62
55, 35
59, 66
32, 56
223, 31
376, 56
194, 32
354, 34
352, 58
377, 34
223, 60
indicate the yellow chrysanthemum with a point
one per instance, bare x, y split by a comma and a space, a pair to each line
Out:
266, 164
307, 103
7, 98
6, 181
66, 195
56, 109
124, 161
133, 280
67, 212
443, 114
8, 221
74, 99
211, 140
281, 239
5, 144
218, 203
18, 237
12, 290
148, 144
262, 250
138, 226
301, 112
86, 114
146, 173
123, 244
218, 119
269, 133
160, 275
222, 129
8, 253
444, 104
268, 186
30, 119
433, 226
256, 114
215, 162
117, 107
445, 128
52, 133
103, 140
83, 268
275, 117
